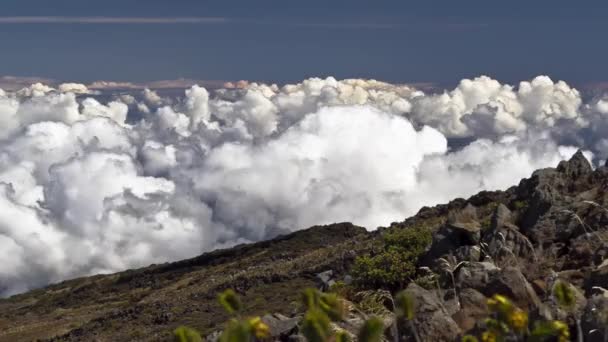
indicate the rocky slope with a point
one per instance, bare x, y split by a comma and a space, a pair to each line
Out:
518, 242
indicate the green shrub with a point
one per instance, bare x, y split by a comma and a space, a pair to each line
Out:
342, 289
520, 205
395, 265
413, 239
486, 222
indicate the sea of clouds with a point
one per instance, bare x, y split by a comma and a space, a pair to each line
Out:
90, 186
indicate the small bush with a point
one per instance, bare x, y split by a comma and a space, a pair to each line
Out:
395, 265
520, 205
342, 289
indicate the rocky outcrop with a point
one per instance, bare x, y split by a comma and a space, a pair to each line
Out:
476, 275
432, 320
461, 232
473, 309
504, 240
552, 226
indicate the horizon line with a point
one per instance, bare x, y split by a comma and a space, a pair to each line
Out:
110, 20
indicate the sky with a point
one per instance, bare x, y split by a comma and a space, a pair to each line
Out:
283, 41
98, 181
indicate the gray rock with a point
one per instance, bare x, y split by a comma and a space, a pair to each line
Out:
501, 216
432, 321
462, 229
511, 282
468, 253
504, 240
594, 319
473, 309
324, 279
281, 326
576, 167
296, 338
488, 279
464, 223
214, 336
599, 277
476, 275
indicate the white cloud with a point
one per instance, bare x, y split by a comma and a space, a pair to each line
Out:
204, 171
75, 88
36, 89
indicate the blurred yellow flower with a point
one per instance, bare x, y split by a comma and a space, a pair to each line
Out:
518, 319
488, 336
259, 328
499, 303
562, 328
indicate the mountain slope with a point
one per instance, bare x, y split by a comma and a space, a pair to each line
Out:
550, 225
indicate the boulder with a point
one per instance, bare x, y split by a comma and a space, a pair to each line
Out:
511, 282
432, 321
325, 280
475, 275
281, 326
461, 229
473, 309
488, 279
465, 226
468, 253
503, 239
500, 217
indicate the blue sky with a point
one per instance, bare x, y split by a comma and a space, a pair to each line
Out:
399, 41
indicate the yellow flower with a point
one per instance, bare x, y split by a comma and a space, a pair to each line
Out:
502, 299
488, 336
518, 319
259, 328
499, 303
469, 338
562, 328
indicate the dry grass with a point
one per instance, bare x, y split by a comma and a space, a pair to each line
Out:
132, 304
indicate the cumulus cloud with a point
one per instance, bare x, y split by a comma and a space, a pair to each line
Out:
34, 90
76, 88
89, 186
484, 107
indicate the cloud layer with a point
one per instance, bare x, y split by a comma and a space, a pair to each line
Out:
89, 186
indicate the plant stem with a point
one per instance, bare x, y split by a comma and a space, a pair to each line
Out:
414, 331
455, 290
395, 330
